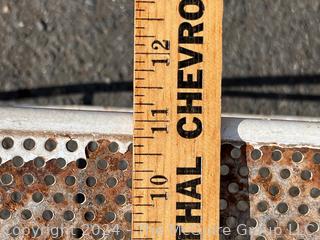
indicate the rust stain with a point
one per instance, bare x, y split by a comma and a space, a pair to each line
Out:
69, 192
273, 189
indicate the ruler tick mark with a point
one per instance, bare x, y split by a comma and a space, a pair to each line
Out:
146, 87
144, 70
149, 19
144, 104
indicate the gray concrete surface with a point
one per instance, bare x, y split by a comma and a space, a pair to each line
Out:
80, 52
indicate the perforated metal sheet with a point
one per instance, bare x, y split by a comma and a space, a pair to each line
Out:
269, 191
64, 186
67, 175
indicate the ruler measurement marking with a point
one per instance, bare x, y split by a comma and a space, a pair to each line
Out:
144, 70
148, 154
151, 53
149, 19
144, 104
177, 46
144, 1
145, 36
151, 121
143, 171
144, 137
147, 87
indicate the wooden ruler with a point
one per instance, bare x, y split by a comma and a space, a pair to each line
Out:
177, 91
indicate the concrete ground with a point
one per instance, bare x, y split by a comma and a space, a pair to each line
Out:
55, 52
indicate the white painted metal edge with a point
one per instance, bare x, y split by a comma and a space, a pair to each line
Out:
251, 129
63, 120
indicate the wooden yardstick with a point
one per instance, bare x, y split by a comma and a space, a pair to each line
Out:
177, 91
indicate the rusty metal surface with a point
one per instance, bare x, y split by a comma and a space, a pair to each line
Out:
81, 188
269, 191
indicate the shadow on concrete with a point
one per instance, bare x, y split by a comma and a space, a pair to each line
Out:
89, 89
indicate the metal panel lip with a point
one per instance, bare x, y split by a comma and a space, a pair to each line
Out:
63, 120
281, 132
247, 128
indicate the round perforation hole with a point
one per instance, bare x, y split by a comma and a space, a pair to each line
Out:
118, 235
29, 144
252, 223
7, 143
261, 238
256, 154
264, 172
37, 197
102, 164
314, 192
274, 190
285, 173
242, 206
223, 204
110, 217
5, 214
28, 179
58, 197
100, 199
112, 182
297, 157
68, 215
6, 179
231, 222
282, 208
272, 224
35, 232
233, 188
81, 163
70, 180
120, 199
80, 198
61, 163
47, 215
292, 226
72, 146
26, 214
39, 162
16, 197
263, 206
113, 147
306, 175
303, 209
56, 233
91, 181
92, 146
316, 158
128, 216
15, 231
235, 153
50, 144
123, 165
294, 191
17, 161
129, 183
224, 170
276, 155
77, 233
89, 216
313, 227
97, 233
254, 188
49, 180
244, 171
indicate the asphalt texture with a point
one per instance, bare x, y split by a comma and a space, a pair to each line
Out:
58, 52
